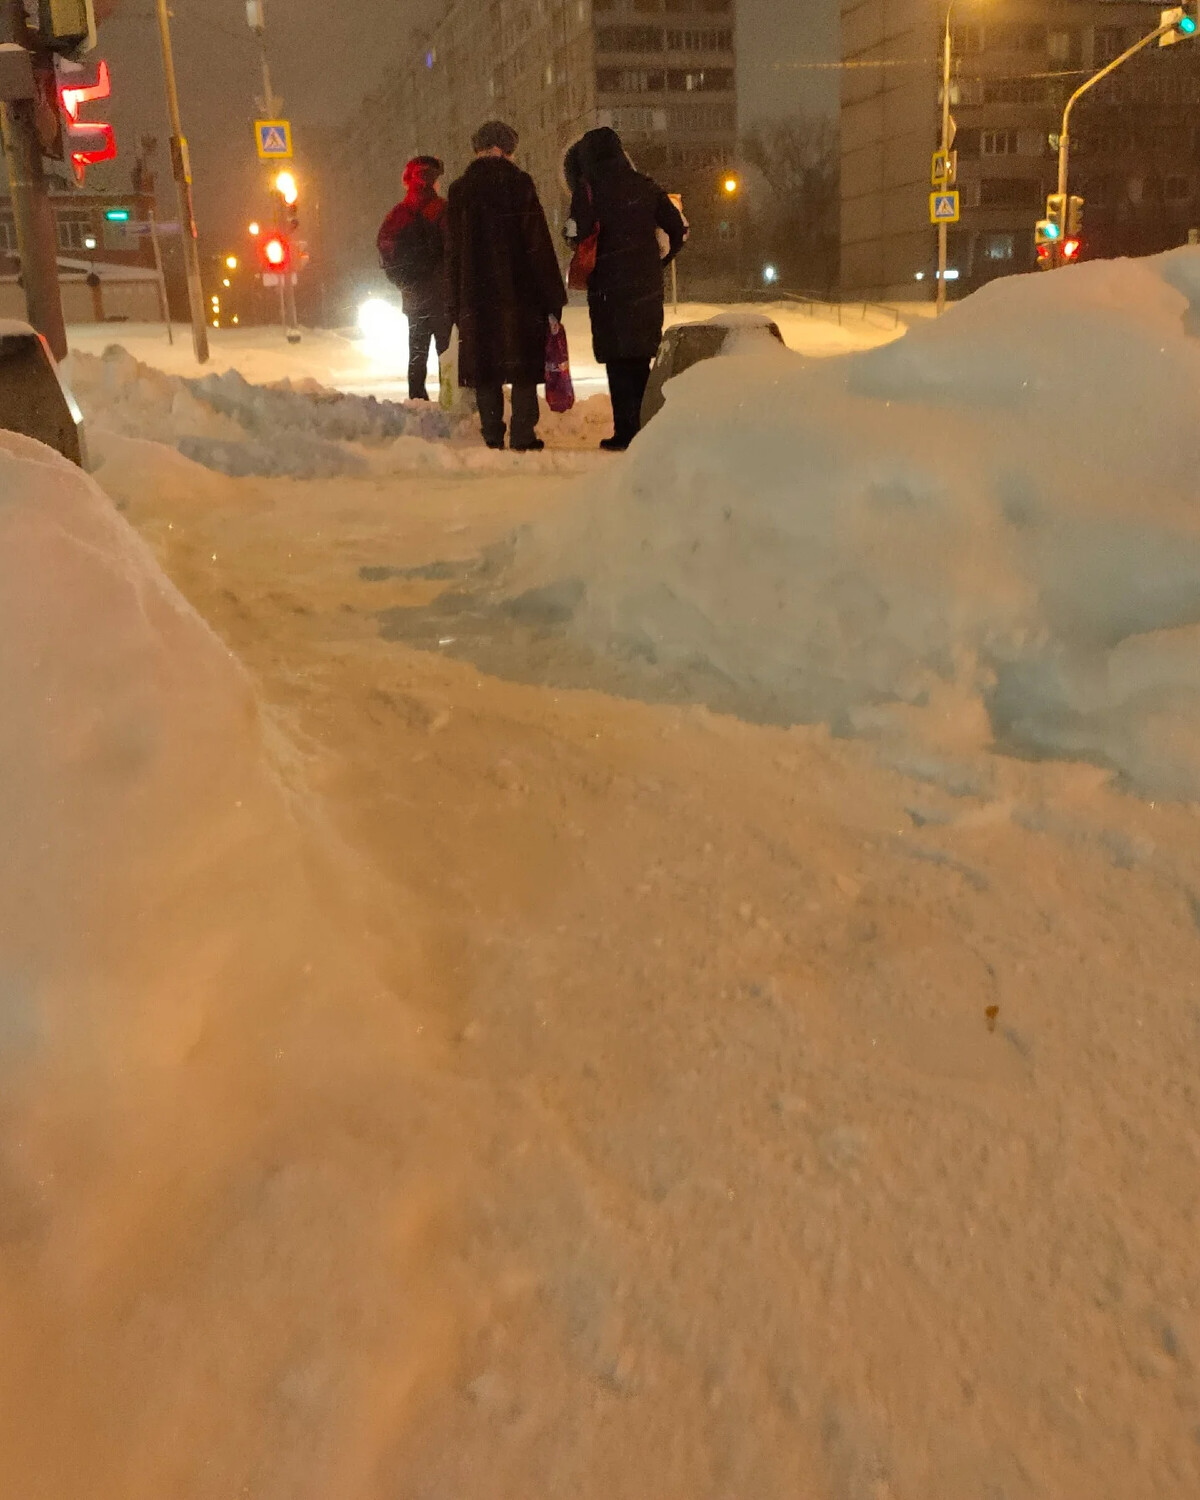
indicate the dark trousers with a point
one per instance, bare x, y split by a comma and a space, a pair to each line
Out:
627, 381
525, 414
424, 329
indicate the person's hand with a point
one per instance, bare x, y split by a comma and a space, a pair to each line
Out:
555, 325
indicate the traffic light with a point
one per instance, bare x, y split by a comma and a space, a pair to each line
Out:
72, 96
275, 254
1180, 22
289, 192
67, 26
1075, 218
1071, 248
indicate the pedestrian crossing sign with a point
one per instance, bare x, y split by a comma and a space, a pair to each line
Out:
943, 208
274, 139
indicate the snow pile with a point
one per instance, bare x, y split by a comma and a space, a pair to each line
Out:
988, 530
202, 1156
235, 428
303, 430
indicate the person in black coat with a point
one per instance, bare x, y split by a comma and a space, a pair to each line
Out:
504, 285
625, 291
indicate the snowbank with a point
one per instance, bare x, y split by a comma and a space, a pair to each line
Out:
185, 980
306, 431
988, 529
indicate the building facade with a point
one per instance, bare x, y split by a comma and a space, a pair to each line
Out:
1016, 62
661, 72
106, 262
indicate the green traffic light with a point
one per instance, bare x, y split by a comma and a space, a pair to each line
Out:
1188, 25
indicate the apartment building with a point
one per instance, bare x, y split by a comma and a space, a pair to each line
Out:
661, 72
1015, 64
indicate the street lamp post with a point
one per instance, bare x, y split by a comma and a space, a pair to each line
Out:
943, 227
256, 17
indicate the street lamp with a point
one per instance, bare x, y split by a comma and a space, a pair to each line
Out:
943, 228
731, 185
254, 230
231, 262
1174, 24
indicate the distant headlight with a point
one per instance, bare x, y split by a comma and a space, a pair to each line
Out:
383, 326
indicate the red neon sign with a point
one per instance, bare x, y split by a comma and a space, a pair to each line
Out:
73, 96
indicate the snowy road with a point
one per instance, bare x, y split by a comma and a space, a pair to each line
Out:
345, 363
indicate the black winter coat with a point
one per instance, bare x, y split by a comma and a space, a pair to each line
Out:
504, 281
625, 293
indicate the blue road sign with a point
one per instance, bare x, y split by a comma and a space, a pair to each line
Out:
274, 139
944, 208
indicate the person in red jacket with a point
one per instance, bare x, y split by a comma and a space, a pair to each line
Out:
412, 251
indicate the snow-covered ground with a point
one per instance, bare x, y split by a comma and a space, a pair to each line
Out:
461, 1036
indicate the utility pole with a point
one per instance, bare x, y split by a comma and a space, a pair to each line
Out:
947, 143
272, 105
37, 235
181, 167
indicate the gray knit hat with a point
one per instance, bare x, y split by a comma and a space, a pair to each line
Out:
495, 133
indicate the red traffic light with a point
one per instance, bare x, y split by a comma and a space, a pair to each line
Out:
1070, 250
100, 141
275, 253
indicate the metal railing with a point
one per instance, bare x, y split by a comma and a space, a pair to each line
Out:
882, 314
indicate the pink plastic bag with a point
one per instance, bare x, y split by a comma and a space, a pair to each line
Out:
560, 390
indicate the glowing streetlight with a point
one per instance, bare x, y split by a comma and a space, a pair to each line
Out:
254, 230
231, 262
731, 184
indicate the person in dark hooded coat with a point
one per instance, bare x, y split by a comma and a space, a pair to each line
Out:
505, 285
412, 251
625, 291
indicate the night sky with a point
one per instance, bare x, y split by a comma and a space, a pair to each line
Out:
326, 56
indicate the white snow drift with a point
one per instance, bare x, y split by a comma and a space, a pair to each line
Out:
1001, 511
186, 1223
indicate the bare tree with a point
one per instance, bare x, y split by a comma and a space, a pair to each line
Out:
798, 157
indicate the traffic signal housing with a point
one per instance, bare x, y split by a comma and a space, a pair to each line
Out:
1182, 22
67, 27
1075, 218
275, 254
289, 192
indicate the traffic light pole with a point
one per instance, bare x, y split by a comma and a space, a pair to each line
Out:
37, 235
1064, 138
183, 187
